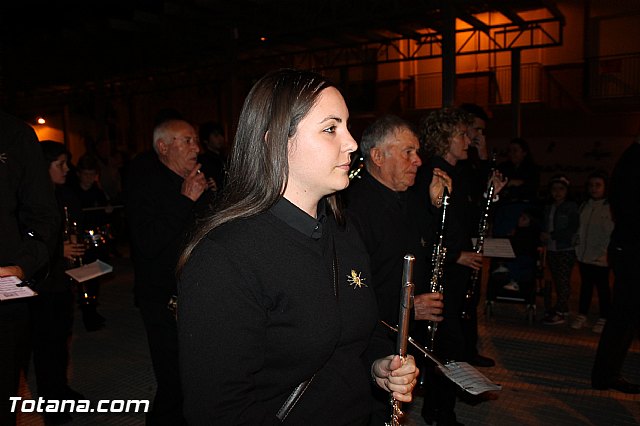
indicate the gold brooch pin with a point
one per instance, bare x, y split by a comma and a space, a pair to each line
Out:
355, 280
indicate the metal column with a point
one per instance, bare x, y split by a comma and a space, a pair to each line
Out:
516, 106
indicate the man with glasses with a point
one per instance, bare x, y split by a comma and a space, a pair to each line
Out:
165, 193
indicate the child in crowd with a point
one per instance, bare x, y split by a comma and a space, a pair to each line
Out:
95, 230
591, 251
560, 228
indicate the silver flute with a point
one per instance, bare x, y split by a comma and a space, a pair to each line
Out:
437, 263
406, 303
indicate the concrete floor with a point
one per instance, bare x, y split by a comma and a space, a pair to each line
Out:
544, 371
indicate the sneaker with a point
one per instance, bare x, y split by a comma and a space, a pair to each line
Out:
513, 286
500, 269
599, 326
579, 322
554, 318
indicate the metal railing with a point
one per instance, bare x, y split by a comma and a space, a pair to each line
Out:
614, 76
530, 84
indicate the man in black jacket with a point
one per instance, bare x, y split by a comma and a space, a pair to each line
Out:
165, 188
393, 221
624, 256
29, 220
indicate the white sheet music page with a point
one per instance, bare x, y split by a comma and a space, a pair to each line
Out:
89, 271
497, 247
468, 378
10, 289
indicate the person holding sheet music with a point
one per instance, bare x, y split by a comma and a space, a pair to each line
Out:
29, 222
445, 138
52, 310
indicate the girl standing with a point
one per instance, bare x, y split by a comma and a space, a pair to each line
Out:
593, 239
561, 225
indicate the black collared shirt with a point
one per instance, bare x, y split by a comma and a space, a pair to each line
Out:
298, 219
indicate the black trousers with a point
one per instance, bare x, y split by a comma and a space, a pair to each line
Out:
14, 353
451, 340
51, 325
162, 334
594, 276
624, 318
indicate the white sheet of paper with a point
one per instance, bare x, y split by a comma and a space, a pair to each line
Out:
468, 378
9, 289
497, 247
89, 271
461, 373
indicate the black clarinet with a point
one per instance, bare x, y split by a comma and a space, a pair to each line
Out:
406, 303
437, 264
474, 281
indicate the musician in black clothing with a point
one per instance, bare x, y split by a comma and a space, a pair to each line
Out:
393, 221
27, 203
624, 255
164, 191
444, 135
275, 290
52, 310
473, 173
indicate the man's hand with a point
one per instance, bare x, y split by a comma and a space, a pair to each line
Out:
428, 306
480, 143
470, 259
194, 184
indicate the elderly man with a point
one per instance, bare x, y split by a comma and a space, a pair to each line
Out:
165, 189
391, 220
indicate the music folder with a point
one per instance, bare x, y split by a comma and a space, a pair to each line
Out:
13, 288
497, 247
89, 271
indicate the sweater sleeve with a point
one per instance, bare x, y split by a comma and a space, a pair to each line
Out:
37, 209
157, 215
221, 326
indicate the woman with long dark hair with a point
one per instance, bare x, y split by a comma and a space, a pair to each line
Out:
52, 310
274, 289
